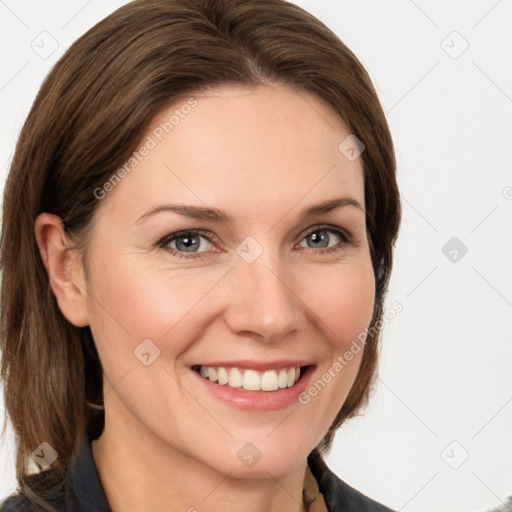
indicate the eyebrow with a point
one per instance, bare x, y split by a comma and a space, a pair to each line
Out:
216, 215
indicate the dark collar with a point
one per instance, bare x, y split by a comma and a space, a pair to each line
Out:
339, 496
86, 486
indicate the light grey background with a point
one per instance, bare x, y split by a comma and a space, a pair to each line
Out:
444, 391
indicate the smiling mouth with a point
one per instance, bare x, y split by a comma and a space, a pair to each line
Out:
243, 379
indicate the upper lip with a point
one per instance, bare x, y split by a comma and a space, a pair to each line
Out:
251, 364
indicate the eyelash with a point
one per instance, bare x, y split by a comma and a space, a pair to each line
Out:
346, 240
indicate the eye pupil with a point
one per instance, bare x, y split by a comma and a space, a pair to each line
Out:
187, 243
319, 237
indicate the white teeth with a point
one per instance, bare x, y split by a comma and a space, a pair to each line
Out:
282, 379
269, 381
222, 376
252, 380
236, 379
291, 377
212, 374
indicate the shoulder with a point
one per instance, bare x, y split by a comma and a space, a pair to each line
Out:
338, 495
44, 486
15, 503
505, 507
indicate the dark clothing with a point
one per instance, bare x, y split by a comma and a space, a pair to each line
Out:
84, 492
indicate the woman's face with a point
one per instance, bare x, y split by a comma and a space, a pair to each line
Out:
261, 287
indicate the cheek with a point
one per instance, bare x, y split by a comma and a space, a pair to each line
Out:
342, 298
131, 303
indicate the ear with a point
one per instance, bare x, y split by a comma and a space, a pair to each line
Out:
64, 268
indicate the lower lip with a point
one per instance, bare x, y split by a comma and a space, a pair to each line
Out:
259, 400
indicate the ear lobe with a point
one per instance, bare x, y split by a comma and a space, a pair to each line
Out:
65, 272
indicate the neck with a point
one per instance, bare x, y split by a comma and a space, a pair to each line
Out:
139, 471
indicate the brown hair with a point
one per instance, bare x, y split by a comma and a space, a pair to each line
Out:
86, 120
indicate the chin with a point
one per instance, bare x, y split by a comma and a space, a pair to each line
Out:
264, 457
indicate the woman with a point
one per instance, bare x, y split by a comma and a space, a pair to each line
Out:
197, 240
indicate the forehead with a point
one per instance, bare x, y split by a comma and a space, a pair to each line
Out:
269, 145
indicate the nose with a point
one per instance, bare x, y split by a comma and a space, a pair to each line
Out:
262, 301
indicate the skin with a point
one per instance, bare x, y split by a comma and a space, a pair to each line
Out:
262, 155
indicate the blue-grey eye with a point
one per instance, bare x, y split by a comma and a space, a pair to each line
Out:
188, 242
321, 238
